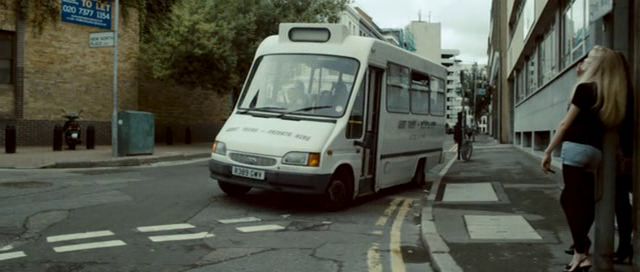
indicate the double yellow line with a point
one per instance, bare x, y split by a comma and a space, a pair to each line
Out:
373, 255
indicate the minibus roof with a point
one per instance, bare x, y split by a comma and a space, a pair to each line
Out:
335, 39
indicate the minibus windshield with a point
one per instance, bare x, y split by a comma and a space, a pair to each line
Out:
316, 85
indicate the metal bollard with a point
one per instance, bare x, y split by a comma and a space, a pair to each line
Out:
187, 136
10, 139
57, 138
169, 136
91, 137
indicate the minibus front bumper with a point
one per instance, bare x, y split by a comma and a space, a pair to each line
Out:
275, 181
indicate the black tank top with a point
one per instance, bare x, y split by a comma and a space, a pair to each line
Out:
586, 128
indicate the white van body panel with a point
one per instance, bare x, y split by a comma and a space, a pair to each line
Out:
402, 139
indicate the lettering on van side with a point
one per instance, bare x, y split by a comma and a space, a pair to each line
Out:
274, 132
414, 124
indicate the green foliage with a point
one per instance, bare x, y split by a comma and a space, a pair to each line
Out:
210, 44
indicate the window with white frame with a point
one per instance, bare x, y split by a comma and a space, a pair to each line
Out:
576, 31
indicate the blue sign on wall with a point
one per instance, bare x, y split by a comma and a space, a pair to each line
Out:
87, 12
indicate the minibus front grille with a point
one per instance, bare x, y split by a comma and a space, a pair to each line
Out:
252, 160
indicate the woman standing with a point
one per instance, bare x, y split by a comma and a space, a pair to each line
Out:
598, 103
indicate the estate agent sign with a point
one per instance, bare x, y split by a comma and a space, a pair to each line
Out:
92, 13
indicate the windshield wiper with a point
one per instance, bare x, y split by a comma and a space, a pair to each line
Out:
305, 109
260, 108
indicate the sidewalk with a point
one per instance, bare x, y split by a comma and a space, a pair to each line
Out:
497, 212
45, 157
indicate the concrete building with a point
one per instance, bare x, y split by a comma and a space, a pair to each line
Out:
403, 36
534, 49
367, 27
454, 86
502, 104
351, 18
428, 39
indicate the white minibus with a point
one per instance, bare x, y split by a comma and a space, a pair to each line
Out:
328, 113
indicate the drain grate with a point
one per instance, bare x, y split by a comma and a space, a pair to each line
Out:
25, 184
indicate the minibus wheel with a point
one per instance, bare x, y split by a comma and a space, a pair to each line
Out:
233, 189
339, 193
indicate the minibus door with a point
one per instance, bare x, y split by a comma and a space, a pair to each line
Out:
370, 143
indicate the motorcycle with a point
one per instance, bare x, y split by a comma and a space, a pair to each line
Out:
71, 129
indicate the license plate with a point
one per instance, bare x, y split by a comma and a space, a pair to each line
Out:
247, 173
74, 135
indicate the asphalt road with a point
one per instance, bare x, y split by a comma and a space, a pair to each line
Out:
173, 217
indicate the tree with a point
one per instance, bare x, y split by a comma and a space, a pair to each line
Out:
210, 44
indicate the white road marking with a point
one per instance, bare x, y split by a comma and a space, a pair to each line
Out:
181, 237
77, 236
86, 246
165, 227
397, 263
446, 169
469, 192
377, 232
501, 227
240, 220
260, 228
373, 259
392, 207
6, 248
12, 255
453, 148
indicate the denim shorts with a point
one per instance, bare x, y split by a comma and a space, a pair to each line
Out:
581, 155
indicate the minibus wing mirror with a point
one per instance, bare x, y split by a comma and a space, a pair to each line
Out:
367, 142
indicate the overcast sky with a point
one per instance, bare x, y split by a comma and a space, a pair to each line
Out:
465, 23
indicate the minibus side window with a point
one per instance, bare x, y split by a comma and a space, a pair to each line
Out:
355, 126
420, 93
437, 97
398, 100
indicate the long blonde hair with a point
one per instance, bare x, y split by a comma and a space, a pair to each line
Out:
607, 71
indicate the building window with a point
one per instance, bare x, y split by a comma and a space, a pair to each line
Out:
398, 89
548, 55
7, 53
576, 31
532, 73
519, 85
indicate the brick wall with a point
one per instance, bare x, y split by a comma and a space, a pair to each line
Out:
179, 107
40, 132
8, 16
61, 71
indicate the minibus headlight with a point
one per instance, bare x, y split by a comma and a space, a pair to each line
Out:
302, 159
219, 148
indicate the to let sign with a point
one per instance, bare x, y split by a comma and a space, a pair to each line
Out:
87, 12
103, 39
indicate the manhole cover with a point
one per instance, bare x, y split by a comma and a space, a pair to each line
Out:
25, 184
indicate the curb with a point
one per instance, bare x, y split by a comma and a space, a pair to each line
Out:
438, 250
125, 162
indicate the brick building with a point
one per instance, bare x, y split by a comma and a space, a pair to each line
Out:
43, 72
